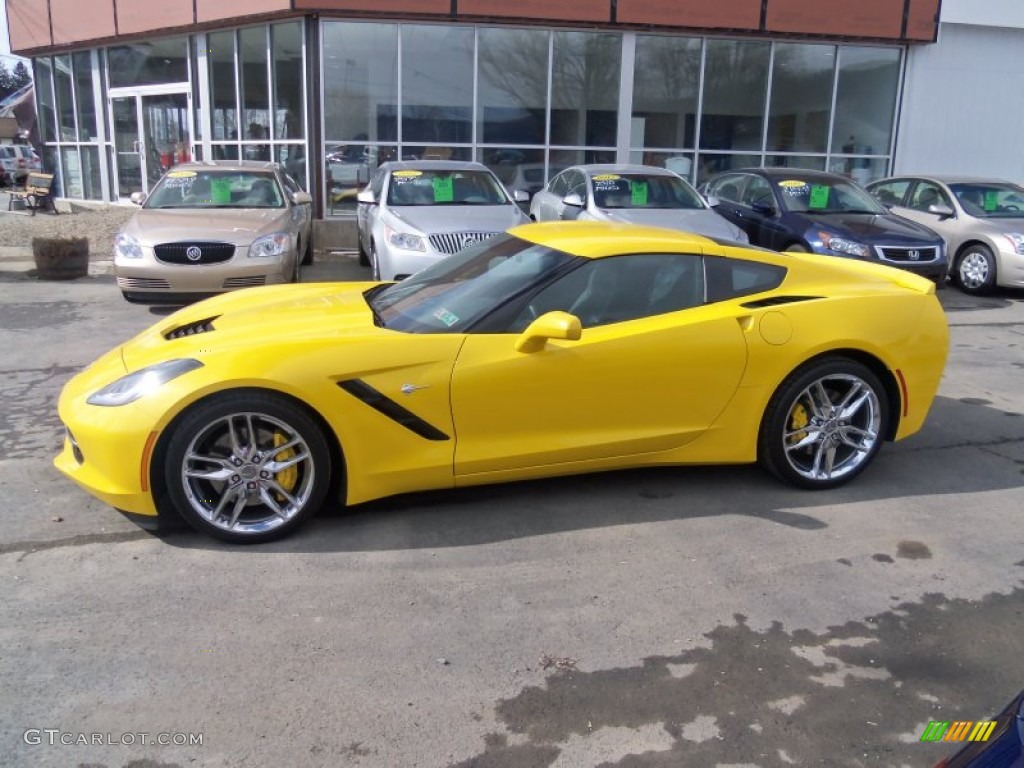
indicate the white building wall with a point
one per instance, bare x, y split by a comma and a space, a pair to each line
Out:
962, 108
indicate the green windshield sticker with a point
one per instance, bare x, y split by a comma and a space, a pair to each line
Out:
444, 191
819, 197
991, 199
221, 192
638, 192
448, 318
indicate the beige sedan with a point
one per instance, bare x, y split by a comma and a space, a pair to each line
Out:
213, 227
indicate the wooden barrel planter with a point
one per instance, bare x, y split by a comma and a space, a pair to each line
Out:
61, 258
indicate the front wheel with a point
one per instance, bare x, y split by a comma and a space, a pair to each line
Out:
247, 467
976, 270
824, 424
374, 263
307, 251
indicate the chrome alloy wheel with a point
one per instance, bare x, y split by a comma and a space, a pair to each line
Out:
832, 427
974, 269
248, 473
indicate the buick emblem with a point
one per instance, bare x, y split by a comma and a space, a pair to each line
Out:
914, 255
195, 254
469, 240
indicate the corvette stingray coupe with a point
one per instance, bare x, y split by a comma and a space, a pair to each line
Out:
551, 349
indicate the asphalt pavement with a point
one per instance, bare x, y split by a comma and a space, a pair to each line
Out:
672, 617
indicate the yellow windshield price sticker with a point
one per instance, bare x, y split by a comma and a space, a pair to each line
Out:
792, 184
607, 177
181, 174
407, 174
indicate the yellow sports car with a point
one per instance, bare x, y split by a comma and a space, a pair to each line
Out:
553, 349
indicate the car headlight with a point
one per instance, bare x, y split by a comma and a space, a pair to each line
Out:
842, 245
130, 388
127, 247
270, 246
404, 240
1017, 240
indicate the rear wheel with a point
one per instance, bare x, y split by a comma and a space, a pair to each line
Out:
247, 467
307, 253
824, 424
364, 259
976, 270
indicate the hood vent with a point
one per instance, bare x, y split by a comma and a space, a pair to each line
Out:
191, 329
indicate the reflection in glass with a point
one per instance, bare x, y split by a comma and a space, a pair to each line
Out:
865, 102
149, 63
225, 151
72, 167
585, 89
255, 90
360, 81
560, 159
801, 97
512, 86
84, 96
735, 88
795, 161
862, 170
349, 168
292, 157
45, 106
666, 82
516, 168
221, 62
709, 164
65, 101
127, 145
437, 84
91, 173
289, 105
412, 152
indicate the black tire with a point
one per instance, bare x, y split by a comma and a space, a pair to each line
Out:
797, 248
226, 485
374, 266
975, 270
364, 259
817, 444
307, 254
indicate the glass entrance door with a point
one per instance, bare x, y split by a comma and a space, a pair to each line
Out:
151, 135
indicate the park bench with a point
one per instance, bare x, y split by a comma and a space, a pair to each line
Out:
37, 193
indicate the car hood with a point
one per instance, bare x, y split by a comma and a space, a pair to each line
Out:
868, 228
247, 319
1002, 226
435, 219
239, 226
700, 221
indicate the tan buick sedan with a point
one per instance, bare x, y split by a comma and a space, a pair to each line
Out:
212, 227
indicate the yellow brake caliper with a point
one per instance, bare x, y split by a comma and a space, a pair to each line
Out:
287, 477
797, 421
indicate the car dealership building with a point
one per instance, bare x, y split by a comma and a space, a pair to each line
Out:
331, 88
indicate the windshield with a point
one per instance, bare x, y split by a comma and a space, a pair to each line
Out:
444, 187
825, 196
454, 293
641, 190
990, 201
216, 189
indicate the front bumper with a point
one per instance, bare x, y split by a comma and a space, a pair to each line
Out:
146, 275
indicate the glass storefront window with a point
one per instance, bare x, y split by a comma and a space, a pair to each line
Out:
220, 59
735, 90
289, 102
585, 88
360, 81
72, 165
149, 62
796, 161
666, 83
292, 157
513, 86
865, 100
516, 168
709, 164
862, 170
349, 168
559, 159
255, 90
437, 84
801, 97
91, 178
45, 105
62, 78
84, 96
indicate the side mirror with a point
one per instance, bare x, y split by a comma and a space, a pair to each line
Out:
942, 211
573, 199
765, 209
712, 201
302, 198
366, 196
138, 197
520, 196
552, 325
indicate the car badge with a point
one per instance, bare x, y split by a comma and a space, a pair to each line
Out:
914, 255
408, 389
193, 253
469, 240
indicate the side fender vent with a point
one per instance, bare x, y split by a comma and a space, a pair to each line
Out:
191, 329
774, 301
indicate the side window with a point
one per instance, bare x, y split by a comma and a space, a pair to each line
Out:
620, 288
377, 183
758, 192
577, 184
891, 192
559, 184
731, 278
927, 194
290, 183
727, 188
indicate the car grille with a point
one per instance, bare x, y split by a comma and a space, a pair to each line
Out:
453, 242
151, 283
194, 253
908, 255
245, 282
